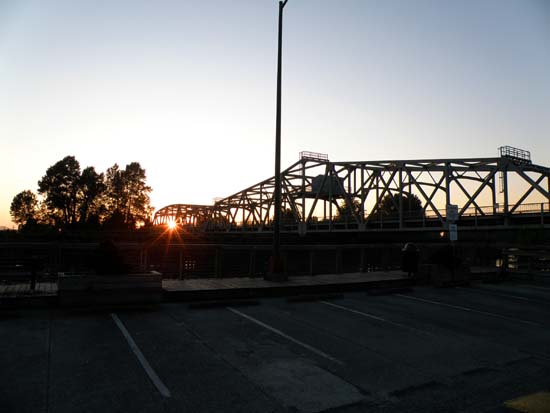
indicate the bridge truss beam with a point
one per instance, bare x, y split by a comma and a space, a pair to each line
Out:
321, 195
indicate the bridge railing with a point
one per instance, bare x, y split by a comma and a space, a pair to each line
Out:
533, 208
219, 261
314, 156
478, 215
515, 153
176, 260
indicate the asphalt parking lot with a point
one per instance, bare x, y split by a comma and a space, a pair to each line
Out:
424, 349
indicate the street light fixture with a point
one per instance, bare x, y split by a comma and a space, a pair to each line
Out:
276, 265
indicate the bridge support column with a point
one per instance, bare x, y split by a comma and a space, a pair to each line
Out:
400, 198
494, 193
447, 184
330, 200
505, 191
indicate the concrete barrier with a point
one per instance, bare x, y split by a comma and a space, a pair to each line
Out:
107, 290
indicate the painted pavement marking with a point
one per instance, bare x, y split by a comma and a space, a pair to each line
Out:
374, 317
144, 363
468, 309
495, 293
284, 335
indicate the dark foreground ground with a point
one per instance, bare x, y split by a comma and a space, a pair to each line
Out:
460, 349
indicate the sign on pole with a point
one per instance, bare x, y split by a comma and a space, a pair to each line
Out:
452, 213
453, 232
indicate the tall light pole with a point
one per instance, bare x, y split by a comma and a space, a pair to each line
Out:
276, 270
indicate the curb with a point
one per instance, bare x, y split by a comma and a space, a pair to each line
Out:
290, 291
279, 291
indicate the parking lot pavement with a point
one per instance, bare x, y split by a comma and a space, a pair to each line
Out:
24, 361
456, 349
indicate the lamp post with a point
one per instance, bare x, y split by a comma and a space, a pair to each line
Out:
276, 270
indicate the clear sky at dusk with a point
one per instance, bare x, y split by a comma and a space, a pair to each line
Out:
187, 88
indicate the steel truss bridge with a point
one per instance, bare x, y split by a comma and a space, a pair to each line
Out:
320, 195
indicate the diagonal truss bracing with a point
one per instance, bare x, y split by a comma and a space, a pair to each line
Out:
321, 195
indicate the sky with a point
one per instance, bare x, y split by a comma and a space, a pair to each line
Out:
187, 88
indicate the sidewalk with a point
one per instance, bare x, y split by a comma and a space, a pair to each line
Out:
202, 289
244, 287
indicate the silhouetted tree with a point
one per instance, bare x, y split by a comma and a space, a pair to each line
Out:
390, 205
115, 222
138, 204
114, 191
91, 190
127, 194
72, 196
346, 210
60, 187
119, 198
24, 208
287, 216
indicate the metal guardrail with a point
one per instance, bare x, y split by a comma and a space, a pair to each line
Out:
195, 261
206, 260
428, 218
314, 156
515, 153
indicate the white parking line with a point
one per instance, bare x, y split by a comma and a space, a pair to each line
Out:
468, 309
374, 317
492, 292
351, 310
536, 287
280, 333
144, 363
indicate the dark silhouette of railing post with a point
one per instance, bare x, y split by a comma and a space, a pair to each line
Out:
277, 271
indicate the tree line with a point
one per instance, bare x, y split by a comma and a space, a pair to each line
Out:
69, 196
388, 207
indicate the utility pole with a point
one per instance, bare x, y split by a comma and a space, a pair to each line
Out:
276, 265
